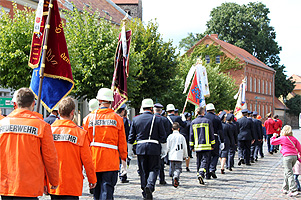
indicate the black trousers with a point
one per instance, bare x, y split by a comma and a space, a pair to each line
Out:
17, 198
149, 166
162, 174
245, 147
63, 197
202, 161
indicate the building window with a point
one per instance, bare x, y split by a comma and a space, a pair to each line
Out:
262, 111
267, 87
250, 84
270, 108
270, 88
207, 58
258, 109
218, 59
254, 84
207, 45
258, 85
250, 106
128, 11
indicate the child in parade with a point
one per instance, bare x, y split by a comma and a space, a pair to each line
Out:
177, 151
297, 172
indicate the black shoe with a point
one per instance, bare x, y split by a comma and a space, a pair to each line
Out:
187, 169
271, 153
208, 176
262, 156
222, 171
125, 181
256, 159
175, 182
230, 169
275, 150
252, 161
163, 183
213, 174
249, 164
201, 179
92, 191
241, 161
148, 193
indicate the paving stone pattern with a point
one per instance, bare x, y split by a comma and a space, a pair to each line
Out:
262, 180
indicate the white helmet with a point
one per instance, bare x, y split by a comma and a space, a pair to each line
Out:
210, 106
170, 107
93, 104
147, 103
141, 110
105, 94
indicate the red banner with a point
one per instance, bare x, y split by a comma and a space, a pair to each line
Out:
121, 72
194, 94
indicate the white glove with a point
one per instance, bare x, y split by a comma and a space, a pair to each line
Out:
123, 168
222, 146
163, 150
130, 151
183, 117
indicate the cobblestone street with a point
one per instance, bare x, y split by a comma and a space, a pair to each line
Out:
262, 180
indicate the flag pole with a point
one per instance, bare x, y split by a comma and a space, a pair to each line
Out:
47, 26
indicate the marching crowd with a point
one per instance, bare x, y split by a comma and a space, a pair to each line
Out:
37, 158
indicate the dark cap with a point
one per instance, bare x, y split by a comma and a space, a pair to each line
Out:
221, 116
255, 113
176, 110
229, 117
245, 111
158, 105
187, 114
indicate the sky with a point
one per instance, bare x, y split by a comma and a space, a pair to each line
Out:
176, 18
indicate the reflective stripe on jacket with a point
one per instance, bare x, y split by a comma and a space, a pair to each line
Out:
201, 134
109, 129
72, 145
27, 148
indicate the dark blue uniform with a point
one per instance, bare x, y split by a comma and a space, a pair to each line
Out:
233, 142
178, 119
259, 130
168, 130
202, 140
245, 137
185, 132
50, 119
148, 147
219, 138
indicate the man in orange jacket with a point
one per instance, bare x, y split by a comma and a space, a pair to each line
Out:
73, 150
108, 144
27, 149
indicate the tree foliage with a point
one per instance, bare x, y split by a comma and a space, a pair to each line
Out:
222, 87
294, 105
283, 85
190, 40
15, 42
153, 65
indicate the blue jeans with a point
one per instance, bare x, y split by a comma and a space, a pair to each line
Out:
106, 182
297, 181
270, 147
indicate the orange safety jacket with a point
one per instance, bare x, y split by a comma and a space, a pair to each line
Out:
108, 144
39, 115
72, 145
26, 148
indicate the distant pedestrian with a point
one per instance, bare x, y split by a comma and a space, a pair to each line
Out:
177, 151
269, 124
202, 141
297, 172
53, 116
224, 151
185, 132
290, 148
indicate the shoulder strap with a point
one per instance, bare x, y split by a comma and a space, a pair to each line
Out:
293, 144
151, 129
170, 120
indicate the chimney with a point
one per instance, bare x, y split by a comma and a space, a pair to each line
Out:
214, 35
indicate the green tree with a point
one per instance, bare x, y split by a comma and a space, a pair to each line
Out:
294, 105
222, 87
248, 27
15, 42
153, 65
92, 43
190, 40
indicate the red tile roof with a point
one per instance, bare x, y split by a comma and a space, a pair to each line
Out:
125, 1
279, 105
240, 53
104, 7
